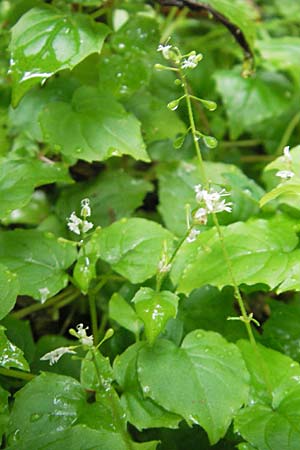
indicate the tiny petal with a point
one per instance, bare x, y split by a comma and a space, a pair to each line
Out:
56, 354
44, 292
285, 174
74, 223
192, 235
287, 155
84, 338
201, 216
86, 226
85, 208
165, 49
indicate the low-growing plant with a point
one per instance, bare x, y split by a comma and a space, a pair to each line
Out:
149, 249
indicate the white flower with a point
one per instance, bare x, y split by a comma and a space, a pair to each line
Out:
165, 49
86, 226
56, 354
211, 201
192, 61
163, 266
285, 174
286, 154
78, 225
74, 223
201, 216
192, 235
84, 338
44, 292
85, 208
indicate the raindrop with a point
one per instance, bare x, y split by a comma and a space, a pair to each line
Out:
35, 417
121, 45
146, 389
210, 141
173, 105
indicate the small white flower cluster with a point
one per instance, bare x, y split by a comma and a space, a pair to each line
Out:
56, 354
78, 225
288, 173
192, 236
211, 201
192, 61
163, 266
165, 50
83, 337
189, 61
44, 293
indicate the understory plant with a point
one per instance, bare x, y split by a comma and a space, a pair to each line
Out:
149, 235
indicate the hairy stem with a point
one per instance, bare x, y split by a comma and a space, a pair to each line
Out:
68, 293
16, 374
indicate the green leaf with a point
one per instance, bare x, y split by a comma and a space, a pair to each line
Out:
191, 380
84, 272
288, 8
141, 412
271, 420
20, 334
263, 96
38, 259
45, 41
283, 53
154, 114
261, 258
50, 403
208, 308
116, 74
9, 290
92, 365
155, 309
32, 213
10, 355
133, 247
124, 314
282, 329
80, 437
19, 177
140, 34
4, 411
176, 190
92, 127
113, 194
239, 13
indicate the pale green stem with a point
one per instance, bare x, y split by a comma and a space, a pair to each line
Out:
288, 133
222, 242
169, 29
68, 293
93, 315
16, 374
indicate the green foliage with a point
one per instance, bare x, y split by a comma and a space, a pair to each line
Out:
149, 235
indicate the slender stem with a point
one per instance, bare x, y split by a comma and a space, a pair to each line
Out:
193, 128
172, 24
216, 222
70, 293
16, 374
93, 315
288, 133
242, 143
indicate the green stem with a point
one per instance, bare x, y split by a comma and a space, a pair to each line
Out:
94, 318
172, 24
39, 306
242, 143
288, 133
216, 222
16, 374
223, 246
193, 128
